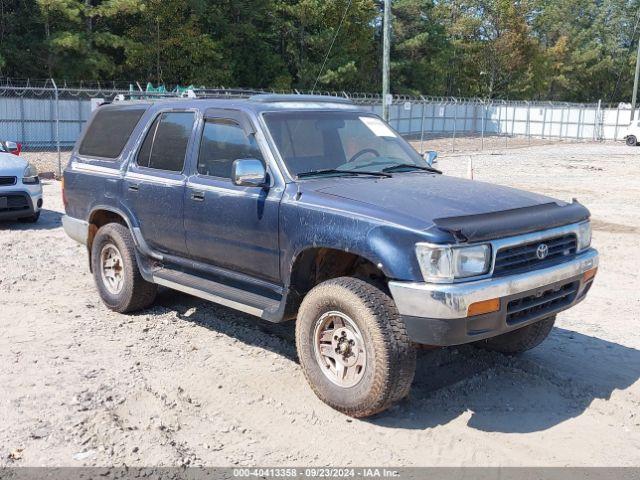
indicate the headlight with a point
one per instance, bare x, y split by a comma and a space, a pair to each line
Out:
445, 264
584, 236
30, 175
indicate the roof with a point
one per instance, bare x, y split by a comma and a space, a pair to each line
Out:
256, 103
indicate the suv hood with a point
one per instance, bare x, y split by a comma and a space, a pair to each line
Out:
11, 165
419, 198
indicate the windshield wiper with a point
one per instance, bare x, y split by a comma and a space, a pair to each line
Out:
399, 166
332, 171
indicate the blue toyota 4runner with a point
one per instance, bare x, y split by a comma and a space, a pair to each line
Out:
309, 208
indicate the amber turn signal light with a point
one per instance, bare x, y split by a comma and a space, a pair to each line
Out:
589, 274
485, 306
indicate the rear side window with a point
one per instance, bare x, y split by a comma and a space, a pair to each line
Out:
109, 131
224, 141
165, 146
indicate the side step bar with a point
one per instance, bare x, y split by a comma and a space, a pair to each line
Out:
236, 298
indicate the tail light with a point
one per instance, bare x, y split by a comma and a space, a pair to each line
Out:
64, 196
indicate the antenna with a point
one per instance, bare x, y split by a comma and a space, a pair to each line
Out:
332, 42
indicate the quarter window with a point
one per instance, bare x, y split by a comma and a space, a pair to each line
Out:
224, 141
109, 131
165, 146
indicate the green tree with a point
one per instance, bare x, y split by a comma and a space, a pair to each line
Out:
309, 28
168, 44
421, 48
590, 47
247, 32
494, 52
579, 50
82, 38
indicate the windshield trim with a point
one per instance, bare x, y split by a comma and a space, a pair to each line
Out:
283, 165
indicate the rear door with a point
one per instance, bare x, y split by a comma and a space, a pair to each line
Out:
155, 182
226, 225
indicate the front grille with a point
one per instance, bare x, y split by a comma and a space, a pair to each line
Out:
521, 258
15, 203
546, 301
7, 181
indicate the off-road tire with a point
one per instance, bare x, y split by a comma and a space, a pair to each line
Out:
632, 141
136, 293
391, 356
520, 340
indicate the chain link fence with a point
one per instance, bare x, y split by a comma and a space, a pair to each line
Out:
47, 118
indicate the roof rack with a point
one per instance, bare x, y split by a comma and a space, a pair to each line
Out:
280, 98
231, 93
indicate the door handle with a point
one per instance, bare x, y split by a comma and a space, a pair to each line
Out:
134, 187
197, 195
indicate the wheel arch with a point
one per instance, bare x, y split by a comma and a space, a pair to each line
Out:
102, 215
314, 265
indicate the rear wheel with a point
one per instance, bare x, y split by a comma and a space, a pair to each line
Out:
353, 347
115, 271
519, 340
632, 141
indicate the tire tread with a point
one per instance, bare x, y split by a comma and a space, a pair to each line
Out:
137, 293
393, 381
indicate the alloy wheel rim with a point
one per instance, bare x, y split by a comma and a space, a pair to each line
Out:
112, 268
339, 349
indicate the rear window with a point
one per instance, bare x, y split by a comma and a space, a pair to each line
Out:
110, 130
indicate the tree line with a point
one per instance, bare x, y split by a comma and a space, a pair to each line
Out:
572, 50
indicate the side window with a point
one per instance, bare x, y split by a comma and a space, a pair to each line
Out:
109, 131
165, 146
224, 141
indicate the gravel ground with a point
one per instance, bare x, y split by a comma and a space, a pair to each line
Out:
192, 383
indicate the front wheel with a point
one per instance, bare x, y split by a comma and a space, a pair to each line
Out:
353, 347
632, 141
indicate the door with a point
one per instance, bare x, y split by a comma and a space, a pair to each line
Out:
155, 182
226, 225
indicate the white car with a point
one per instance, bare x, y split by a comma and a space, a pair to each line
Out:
631, 134
20, 189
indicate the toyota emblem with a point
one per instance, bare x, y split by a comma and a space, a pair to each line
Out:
542, 251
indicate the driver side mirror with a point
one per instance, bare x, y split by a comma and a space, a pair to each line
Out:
248, 172
430, 157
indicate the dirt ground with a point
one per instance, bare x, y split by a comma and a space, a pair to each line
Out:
191, 383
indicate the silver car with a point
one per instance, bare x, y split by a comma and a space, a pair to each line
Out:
20, 189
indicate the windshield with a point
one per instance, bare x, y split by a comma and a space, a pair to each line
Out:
344, 141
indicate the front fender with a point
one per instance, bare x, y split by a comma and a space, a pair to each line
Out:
390, 247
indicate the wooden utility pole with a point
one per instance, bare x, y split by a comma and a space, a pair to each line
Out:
386, 51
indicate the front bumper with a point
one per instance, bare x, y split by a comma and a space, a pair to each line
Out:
20, 203
436, 314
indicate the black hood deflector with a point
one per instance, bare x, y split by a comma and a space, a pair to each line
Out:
507, 223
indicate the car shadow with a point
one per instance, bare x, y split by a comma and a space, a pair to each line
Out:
532, 392
49, 220
276, 337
